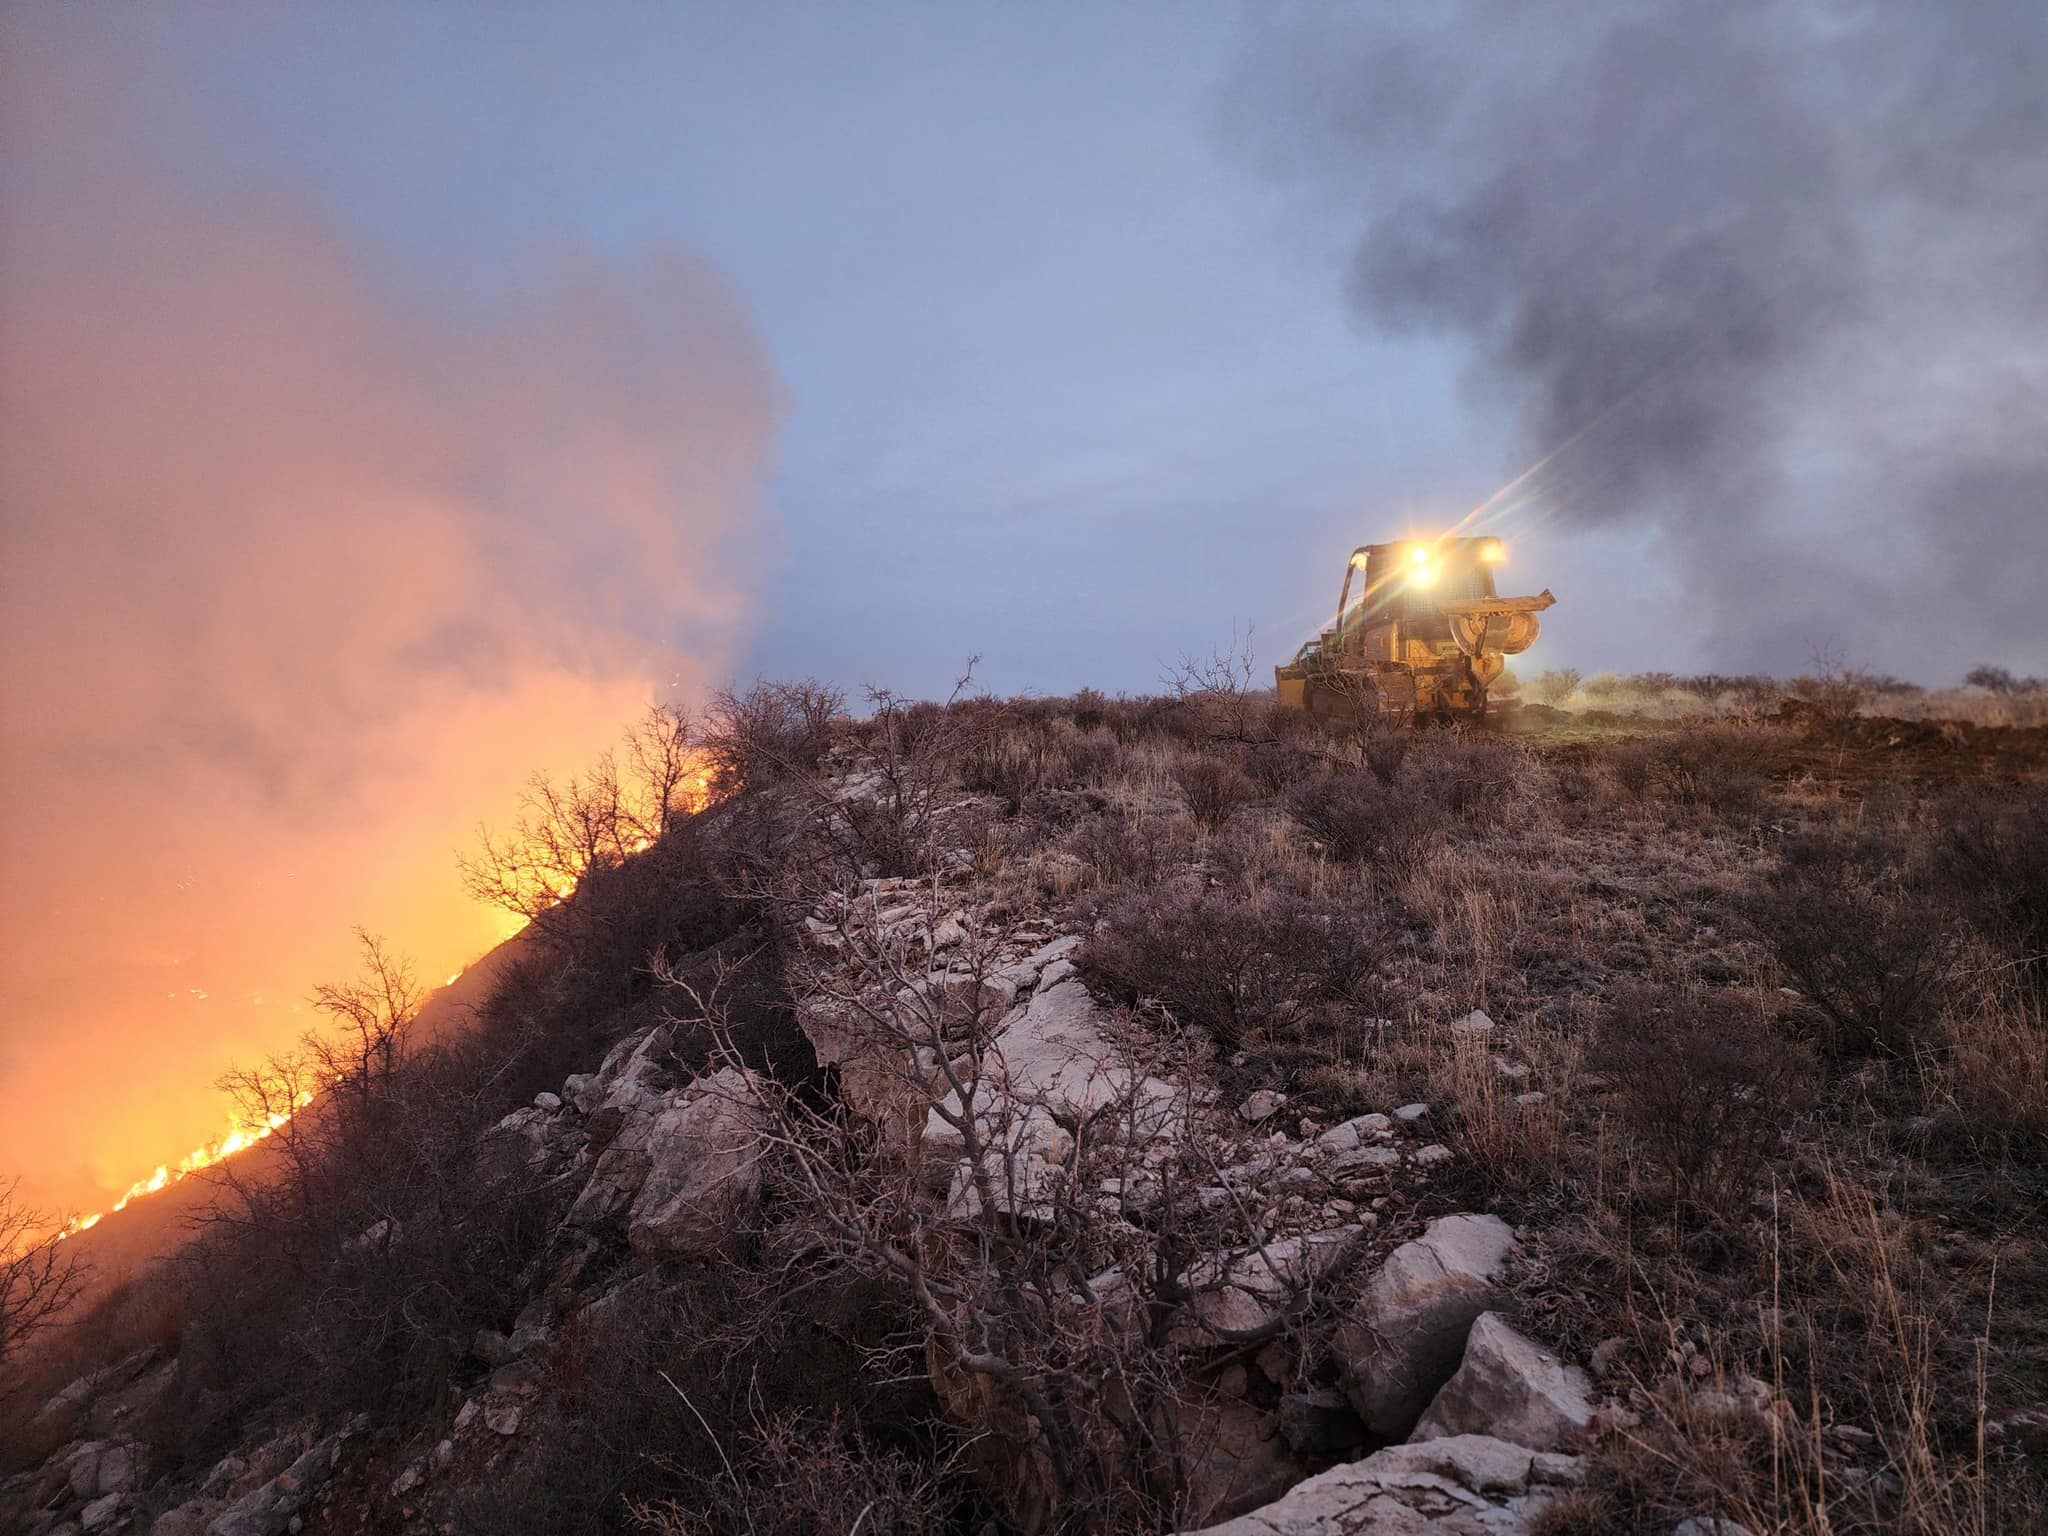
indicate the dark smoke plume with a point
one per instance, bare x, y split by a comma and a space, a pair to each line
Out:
1798, 254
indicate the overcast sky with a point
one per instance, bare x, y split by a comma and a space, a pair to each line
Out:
1070, 381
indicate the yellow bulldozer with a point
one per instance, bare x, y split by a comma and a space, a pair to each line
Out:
1424, 638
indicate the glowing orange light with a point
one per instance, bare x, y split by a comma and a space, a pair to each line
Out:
695, 796
239, 1138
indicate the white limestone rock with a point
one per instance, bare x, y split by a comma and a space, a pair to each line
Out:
1467, 1485
1510, 1387
1474, 1026
1350, 1135
1405, 1335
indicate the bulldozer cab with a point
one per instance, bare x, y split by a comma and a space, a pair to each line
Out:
1408, 582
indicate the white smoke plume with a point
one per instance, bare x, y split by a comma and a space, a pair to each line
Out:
300, 575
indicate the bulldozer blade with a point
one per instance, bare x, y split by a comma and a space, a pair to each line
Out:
1507, 625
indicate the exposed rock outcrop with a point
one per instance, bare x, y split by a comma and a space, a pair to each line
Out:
1404, 1336
704, 1169
268, 1510
1466, 1485
1509, 1387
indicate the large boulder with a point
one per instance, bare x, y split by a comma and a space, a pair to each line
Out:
616, 1177
1510, 1388
879, 1076
529, 1140
1236, 1293
1467, 1485
1320, 1425
633, 1076
1350, 1135
1056, 1051
704, 1168
99, 1468
1240, 1292
268, 1510
1404, 1336
188, 1519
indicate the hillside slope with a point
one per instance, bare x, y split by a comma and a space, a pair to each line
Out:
1085, 1115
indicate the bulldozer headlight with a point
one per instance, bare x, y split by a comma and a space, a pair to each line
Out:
1424, 574
1419, 555
1493, 552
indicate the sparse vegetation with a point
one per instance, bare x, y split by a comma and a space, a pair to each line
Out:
1867, 948
1761, 1077
1707, 1092
1238, 967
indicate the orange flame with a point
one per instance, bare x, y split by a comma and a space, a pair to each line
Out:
696, 797
239, 1138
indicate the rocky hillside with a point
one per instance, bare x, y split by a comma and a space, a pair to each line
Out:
1158, 1116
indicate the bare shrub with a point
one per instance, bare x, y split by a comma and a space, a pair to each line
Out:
1994, 1069
1834, 691
1237, 967
1634, 767
1383, 748
1275, 765
1469, 776
1716, 768
1577, 794
571, 831
1119, 848
1867, 949
1742, 690
769, 732
985, 1200
1991, 860
690, 1401
1359, 820
915, 752
348, 1267
1170, 718
39, 1276
1094, 758
1012, 763
1510, 1145
1994, 680
1555, 687
1213, 788
792, 1477
1706, 1090
1221, 691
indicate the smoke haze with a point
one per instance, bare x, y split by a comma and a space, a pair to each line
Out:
1792, 258
303, 574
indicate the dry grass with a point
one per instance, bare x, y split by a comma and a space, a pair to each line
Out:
1838, 1195
1719, 1200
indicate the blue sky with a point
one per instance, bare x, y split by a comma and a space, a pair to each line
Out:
1068, 382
